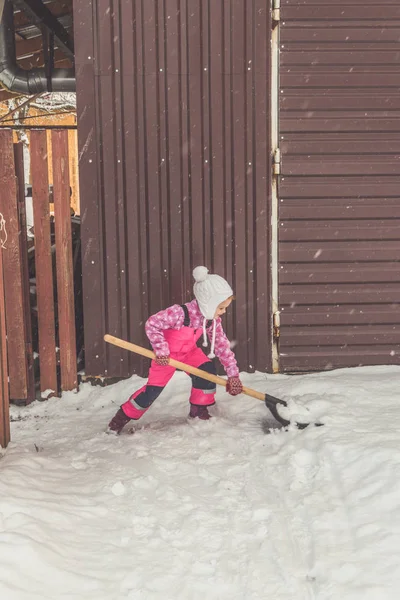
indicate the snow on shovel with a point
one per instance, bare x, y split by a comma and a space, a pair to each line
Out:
271, 402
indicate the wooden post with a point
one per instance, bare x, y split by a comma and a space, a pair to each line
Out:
65, 276
4, 398
19, 171
12, 273
43, 259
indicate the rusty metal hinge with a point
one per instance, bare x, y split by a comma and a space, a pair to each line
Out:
277, 324
276, 10
276, 169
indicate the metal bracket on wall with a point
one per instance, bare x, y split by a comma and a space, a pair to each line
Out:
277, 324
276, 11
277, 162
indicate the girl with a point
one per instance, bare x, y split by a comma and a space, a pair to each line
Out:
174, 333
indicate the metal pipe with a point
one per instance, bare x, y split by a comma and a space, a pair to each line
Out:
15, 79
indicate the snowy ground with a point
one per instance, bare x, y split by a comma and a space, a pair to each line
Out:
206, 510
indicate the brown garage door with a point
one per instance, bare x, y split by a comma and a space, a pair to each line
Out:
339, 191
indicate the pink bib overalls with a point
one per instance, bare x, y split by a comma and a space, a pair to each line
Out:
183, 347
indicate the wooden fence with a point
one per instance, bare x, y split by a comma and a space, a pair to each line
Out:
53, 265
4, 400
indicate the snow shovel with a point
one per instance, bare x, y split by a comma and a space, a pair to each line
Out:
270, 401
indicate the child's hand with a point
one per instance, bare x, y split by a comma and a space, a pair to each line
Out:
234, 386
162, 361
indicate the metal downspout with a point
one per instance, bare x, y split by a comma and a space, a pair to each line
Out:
18, 80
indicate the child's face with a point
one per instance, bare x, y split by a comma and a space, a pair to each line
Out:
221, 308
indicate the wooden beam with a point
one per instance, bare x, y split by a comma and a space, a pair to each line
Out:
4, 397
12, 272
8, 115
28, 47
44, 265
19, 172
37, 60
57, 9
65, 274
5, 95
25, 48
41, 15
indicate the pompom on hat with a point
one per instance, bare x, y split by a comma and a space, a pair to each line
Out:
210, 291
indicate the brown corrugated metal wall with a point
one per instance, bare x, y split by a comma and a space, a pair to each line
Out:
339, 230
173, 116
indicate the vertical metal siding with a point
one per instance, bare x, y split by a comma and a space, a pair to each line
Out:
173, 109
339, 238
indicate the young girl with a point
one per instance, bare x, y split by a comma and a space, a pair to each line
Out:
174, 333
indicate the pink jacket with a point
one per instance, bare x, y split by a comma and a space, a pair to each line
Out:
173, 318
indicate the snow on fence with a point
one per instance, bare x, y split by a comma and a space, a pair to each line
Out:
56, 345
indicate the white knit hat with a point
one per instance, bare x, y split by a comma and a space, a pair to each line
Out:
210, 291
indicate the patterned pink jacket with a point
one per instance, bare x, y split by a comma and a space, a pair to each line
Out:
173, 318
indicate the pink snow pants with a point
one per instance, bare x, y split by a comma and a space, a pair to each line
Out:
203, 392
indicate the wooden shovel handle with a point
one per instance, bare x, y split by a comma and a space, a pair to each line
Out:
179, 365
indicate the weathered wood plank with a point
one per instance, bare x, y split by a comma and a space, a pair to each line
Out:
12, 272
19, 172
4, 397
65, 278
43, 260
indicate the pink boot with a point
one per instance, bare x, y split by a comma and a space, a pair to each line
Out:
118, 422
200, 412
